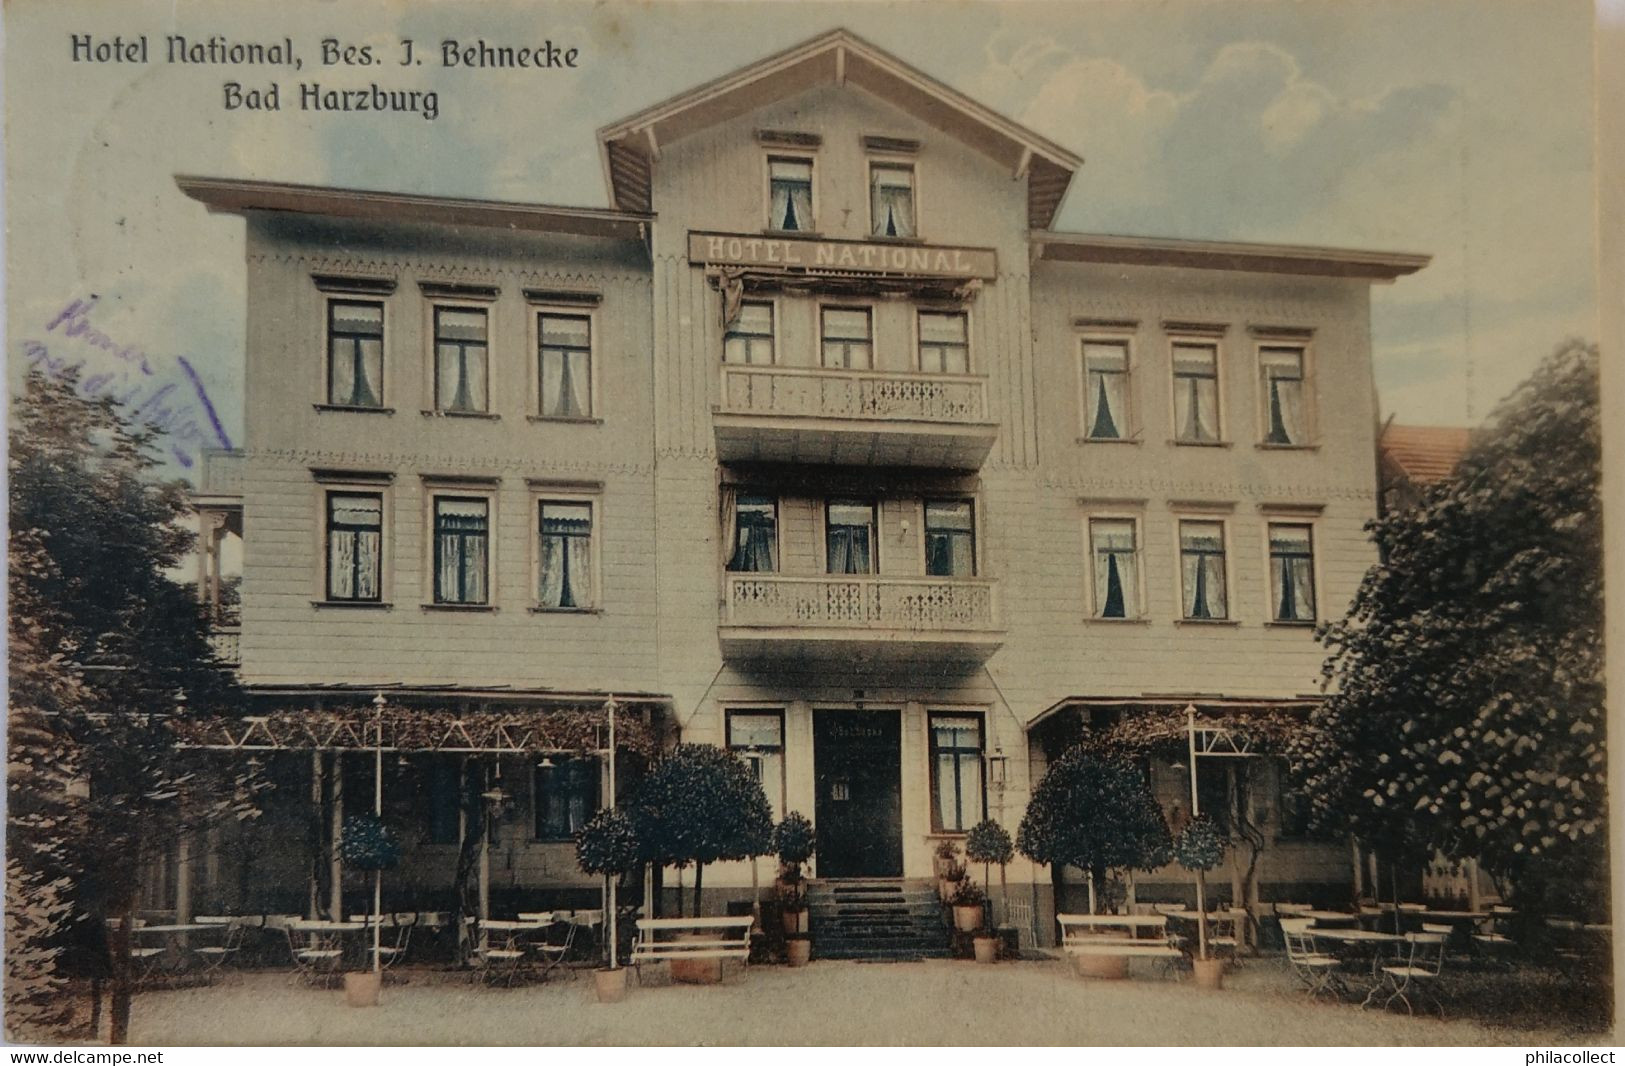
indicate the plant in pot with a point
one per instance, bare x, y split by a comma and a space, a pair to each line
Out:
1094, 810
1199, 848
698, 805
367, 844
608, 846
795, 840
968, 903
987, 843
950, 871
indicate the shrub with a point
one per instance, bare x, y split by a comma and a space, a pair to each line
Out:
608, 844
794, 839
1200, 846
968, 894
989, 842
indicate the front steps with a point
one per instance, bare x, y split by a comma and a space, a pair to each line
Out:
878, 920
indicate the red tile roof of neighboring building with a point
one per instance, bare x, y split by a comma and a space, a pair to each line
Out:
1422, 454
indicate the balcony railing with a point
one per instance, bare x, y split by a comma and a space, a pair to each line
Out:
222, 473
905, 604
226, 642
853, 394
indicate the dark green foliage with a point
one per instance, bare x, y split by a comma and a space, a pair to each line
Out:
106, 652
698, 805
794, 839
989, 842
1200, 845
608, 844
1467, 711
1094, 810
368, 844
968, 894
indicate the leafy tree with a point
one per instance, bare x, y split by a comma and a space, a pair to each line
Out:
1467, 710
1094, 810
700, 804
1199, 847
988, 843
113, 650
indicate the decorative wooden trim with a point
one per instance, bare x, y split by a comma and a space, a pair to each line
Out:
354, 285
788, 139
1289, 509
1082, 322
544, 484
456, 290
574, 297
894, 145
1111, 501
338, 475
1204, 329
1205, 506
471, 480
1285, 333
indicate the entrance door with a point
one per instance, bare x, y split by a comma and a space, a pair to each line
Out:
857, 762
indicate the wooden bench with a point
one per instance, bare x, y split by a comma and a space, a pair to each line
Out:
1118, 935
668, 939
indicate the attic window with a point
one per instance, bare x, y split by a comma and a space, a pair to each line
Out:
789, 194
891, 199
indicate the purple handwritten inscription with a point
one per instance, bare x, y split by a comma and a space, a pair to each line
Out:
172, 399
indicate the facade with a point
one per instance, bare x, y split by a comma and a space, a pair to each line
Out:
821, 444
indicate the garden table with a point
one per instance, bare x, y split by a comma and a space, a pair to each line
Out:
1327, 918
1359, 944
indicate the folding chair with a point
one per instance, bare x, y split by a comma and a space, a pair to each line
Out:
1417, 975
1317, 970
316, 959
556, 942
213, 956
390, 954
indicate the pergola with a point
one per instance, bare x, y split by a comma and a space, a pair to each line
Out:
332, 721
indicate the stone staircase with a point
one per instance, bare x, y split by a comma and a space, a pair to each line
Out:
880, 920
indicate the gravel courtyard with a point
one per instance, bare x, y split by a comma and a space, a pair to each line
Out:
931, 1002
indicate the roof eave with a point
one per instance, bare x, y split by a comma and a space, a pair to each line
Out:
236, 196
1227, 255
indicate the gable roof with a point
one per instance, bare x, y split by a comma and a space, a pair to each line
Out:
1421, 454
630, 147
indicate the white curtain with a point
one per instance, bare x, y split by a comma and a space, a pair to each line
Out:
451, 590
551, 592
849, 550
1204, 586
792, 206
1106, 406
892, 201
1283, 381
730, 523
1116, 583
1292, 573
1196, 408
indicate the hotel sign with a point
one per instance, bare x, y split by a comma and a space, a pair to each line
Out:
797, 253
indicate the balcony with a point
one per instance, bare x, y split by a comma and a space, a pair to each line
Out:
226, 641
782, 414
766, 616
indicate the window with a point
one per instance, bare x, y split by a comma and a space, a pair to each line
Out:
757, 737
566, 796
1292, 573
1291, 811
355, 546
956, 772
459, 359
1201, 559
461, 543
1116, 567
944, 342
950, 538
750, 338
789, 192
565, 365
849, 537
1281, 370
565, 554
891, 199
756, 535
355, 353
846, 338
1105, 390
1196, 393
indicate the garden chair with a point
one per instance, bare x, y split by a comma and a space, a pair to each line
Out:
213, 956
1493, 942
390, 954
1417, 975
316, 959
1317, 970
556, 942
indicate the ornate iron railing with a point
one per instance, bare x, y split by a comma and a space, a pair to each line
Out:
227, 643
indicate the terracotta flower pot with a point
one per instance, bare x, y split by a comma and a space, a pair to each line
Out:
361, 989
987, 948
1209, 973
798, 951
794, 921
611, 985
945, 888
1102, 967
967, 919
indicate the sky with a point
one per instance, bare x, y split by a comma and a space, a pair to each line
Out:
1458, 129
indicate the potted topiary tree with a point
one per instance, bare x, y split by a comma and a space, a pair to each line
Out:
987, 843
1094, 810
366, 843
795, 840
968, 903
608, 846
1199, 848
698, 805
